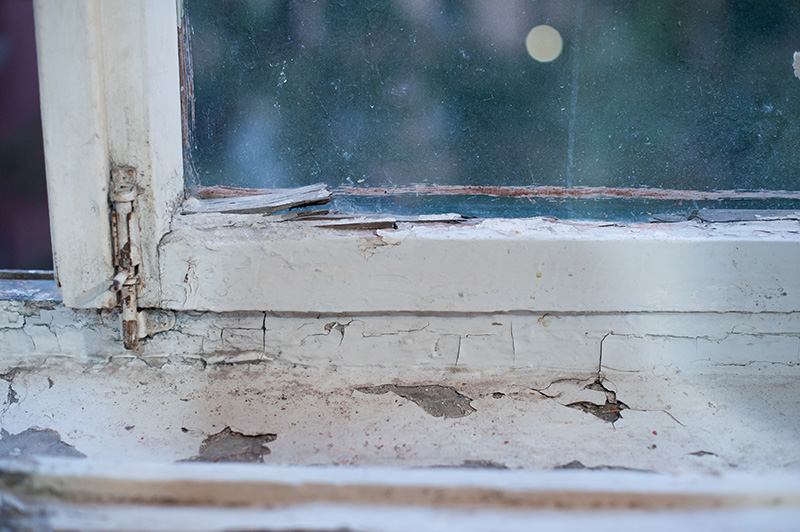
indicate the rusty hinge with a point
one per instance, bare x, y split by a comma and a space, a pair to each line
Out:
127, 257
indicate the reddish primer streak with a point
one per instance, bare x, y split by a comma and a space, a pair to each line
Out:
221, 191
563, 192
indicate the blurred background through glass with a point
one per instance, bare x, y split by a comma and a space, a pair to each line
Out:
687, 94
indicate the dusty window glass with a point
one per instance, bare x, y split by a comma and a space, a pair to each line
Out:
389, 101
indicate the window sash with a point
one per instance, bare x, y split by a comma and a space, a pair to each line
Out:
111, 97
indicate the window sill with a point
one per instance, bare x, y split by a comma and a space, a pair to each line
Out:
225, 263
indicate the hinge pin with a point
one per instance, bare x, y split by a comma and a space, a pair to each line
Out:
126, 251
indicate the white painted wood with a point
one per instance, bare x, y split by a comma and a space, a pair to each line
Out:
402, 519
647, 342
264, 486
110, 94
242, 263
109, 496
69, 44
140, 64
709, 421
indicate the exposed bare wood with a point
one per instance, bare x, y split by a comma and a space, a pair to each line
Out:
26, 274
379, 221
264, 203
296, 215
223, 191
192, 485
360, 222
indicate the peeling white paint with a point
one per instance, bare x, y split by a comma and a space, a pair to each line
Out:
491, 266
636, 342
110, 94
704, 393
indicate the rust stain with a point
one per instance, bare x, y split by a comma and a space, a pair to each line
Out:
220, 191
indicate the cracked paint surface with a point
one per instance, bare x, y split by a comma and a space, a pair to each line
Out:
163, 413
700, 393
641, 342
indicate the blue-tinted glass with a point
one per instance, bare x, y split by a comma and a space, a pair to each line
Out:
685, 94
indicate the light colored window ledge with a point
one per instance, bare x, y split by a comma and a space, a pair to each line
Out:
227, 263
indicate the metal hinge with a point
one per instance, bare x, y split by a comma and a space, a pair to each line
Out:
127, 256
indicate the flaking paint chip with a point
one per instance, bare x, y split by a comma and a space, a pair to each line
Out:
230, 446
436, 400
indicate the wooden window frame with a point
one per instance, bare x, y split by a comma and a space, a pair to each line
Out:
111, 98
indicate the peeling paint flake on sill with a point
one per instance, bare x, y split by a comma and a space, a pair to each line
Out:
267, 202
231, 446
35, 442
379, 221
29, 290
436, 400
729, 216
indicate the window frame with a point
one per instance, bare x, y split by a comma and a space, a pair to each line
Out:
111, 96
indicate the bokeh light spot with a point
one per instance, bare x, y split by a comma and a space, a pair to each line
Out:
544, 43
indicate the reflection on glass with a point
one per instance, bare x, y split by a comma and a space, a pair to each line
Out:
687, 94
544, 43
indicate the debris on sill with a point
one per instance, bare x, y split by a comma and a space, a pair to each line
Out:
264, 203
609, 412
475, 464
729, 215
230, 446
575, 464
703, 453
436, 400
35, 442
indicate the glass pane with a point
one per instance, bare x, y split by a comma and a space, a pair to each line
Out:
689, 95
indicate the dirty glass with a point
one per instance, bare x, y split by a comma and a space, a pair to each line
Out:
373, 96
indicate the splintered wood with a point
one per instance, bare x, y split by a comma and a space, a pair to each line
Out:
268, 203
